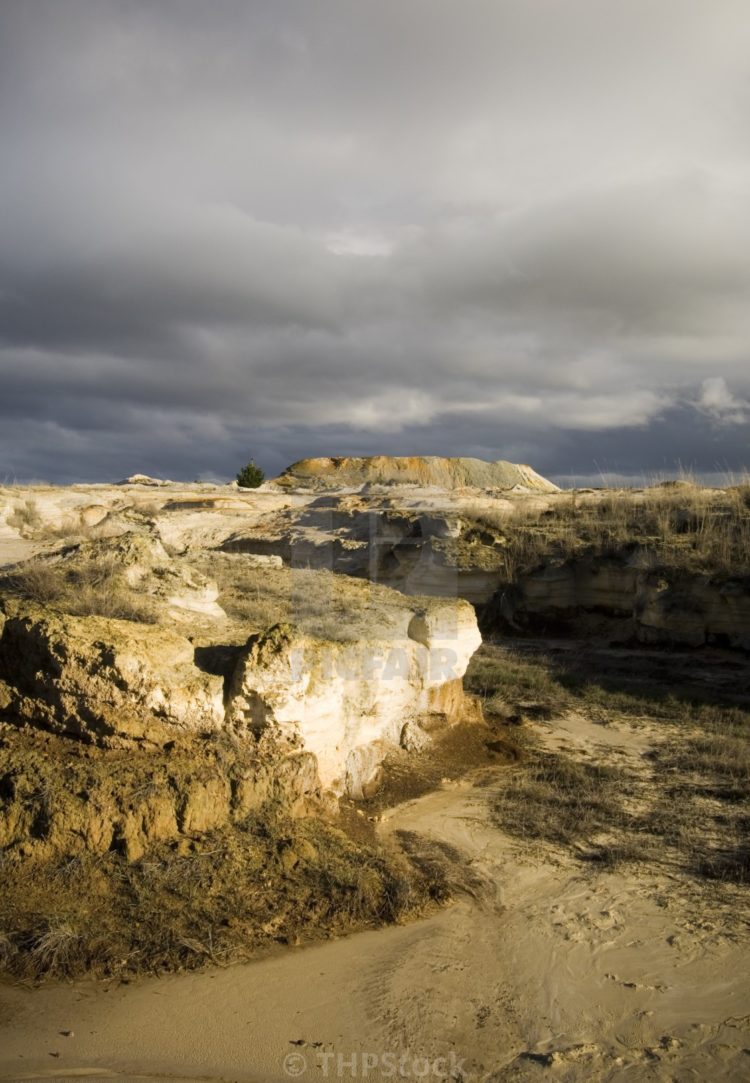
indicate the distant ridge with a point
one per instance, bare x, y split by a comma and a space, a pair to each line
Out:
425, 470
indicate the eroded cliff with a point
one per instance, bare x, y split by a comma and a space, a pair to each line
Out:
137, 652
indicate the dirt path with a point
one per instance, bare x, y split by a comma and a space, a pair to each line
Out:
542, 970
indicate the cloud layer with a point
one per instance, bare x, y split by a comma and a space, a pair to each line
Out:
508, 228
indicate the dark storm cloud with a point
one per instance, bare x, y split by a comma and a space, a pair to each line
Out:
509, 228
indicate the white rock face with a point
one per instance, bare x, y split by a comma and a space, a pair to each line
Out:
347, 703
361, 662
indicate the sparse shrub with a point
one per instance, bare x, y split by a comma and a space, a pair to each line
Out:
27, 519
259, 597
504, 679
39, 581
317, 601
732, 865
250, 476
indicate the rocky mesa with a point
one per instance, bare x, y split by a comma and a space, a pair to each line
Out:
423, 470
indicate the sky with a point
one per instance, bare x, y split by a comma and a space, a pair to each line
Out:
512, 229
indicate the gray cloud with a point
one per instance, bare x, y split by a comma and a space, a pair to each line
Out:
507, 228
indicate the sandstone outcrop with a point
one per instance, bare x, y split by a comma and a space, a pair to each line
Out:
349, 702
400, 534
624, 600
427, 470
342, 692
302, 679
415, 542
105, 680
449, 542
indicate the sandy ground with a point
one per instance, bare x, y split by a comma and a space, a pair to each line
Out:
544, 969
14, 549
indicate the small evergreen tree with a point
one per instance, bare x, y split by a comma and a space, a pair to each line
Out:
250, 476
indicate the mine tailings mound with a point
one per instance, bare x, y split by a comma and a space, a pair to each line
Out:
426, 470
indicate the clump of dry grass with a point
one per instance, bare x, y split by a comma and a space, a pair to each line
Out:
505, 680
730, 865
38, 581
55, 949
722, 756
682, 526
560, 799
81, 588
256, 596
316, 601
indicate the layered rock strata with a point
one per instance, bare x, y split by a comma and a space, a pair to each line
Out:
627, 601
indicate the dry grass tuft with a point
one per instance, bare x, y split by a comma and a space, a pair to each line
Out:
731, 865
54, 950
84, 588
318, 602
560, 799
681, 526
